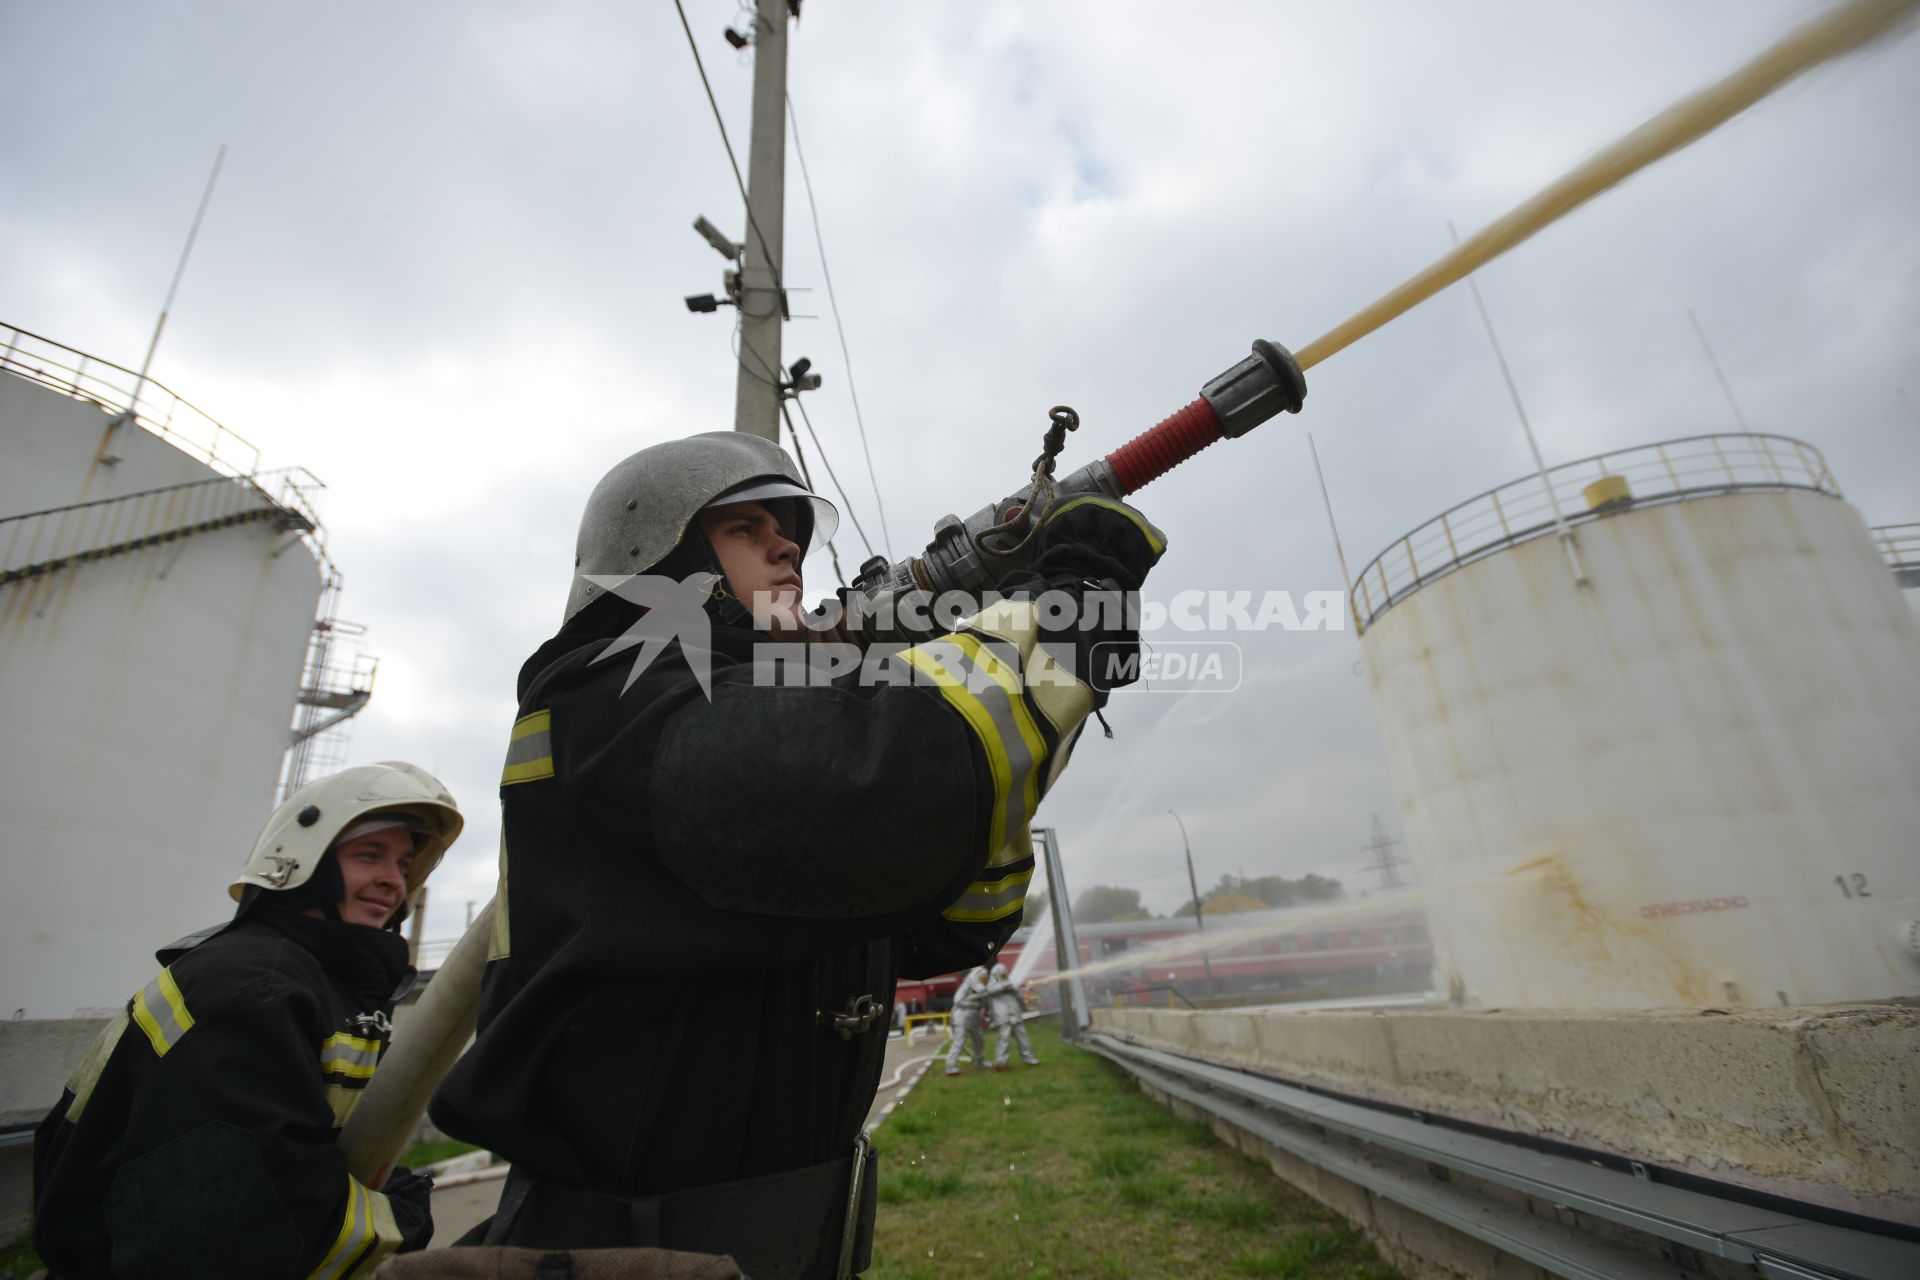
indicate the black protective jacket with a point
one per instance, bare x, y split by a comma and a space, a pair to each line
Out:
690, 887
197, 1137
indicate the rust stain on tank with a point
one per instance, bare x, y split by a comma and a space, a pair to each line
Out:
1616, 948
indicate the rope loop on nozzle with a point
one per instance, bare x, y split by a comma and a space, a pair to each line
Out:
1040, 491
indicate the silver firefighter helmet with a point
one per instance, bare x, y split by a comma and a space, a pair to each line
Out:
641, 509
297, 837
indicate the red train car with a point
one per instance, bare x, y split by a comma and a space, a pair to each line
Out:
1267, 956
935, 995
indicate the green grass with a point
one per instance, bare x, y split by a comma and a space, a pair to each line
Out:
1066, 1170
1303, 1254
19, 1260
426, 1153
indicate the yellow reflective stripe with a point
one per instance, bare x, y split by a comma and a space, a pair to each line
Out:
386, 1235
175, 1001
987, 900
1058, 694
162, 1013
500, 941
356, 1231
995, 886
1156, 540
343, 1098
87, 1074
1007, 676
980, 720
352, 1056
360, 1044
533, 722
529, 749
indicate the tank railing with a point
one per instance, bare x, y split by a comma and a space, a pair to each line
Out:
41, 541
1899, 546
111, 387
1524, 509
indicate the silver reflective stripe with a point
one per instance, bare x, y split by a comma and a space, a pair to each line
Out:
997, 713
356, 1232
530, 748
984, 682
988, 900
162, 1013
1013, 893
349, 1055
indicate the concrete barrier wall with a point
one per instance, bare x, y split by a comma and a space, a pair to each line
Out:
36, 1057
1821, 1105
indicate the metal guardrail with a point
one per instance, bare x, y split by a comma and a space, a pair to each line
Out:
1525, 509
42, 541
1653, 1228
1900, 547
112, 387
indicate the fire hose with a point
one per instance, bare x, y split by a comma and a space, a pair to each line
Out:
437, 1031
973, 554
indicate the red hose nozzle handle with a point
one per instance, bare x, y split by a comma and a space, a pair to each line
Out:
1235, 402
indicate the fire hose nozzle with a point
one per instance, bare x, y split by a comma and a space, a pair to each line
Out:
1265, 383
1231, 404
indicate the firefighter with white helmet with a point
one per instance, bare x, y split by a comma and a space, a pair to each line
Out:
197, 1136
711, 881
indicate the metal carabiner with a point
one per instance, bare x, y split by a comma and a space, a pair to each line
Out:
860, 1014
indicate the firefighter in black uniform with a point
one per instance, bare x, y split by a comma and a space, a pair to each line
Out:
710, 880
197, 1136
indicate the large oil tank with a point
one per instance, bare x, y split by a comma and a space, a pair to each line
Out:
1656, 741
157, 593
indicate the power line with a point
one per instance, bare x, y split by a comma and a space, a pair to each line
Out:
846, 359
847, 503
806, 474
828, 464
738, 181
766, 373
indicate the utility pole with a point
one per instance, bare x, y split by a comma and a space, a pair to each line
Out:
415, 926
1199, 920
763, 299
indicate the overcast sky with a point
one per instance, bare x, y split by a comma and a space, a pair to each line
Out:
445, 263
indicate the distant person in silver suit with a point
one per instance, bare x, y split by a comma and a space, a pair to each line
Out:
969, 1004
1009, 1014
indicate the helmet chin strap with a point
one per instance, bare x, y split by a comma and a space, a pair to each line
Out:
727, 607
695, 554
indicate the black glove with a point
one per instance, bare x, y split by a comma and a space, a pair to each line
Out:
411, 1196
1092, 544
1099, 538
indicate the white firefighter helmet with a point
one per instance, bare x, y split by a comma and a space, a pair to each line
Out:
295, 841
642, 508
999, 971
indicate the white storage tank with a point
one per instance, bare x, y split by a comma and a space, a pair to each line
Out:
1691, 779
156, 598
